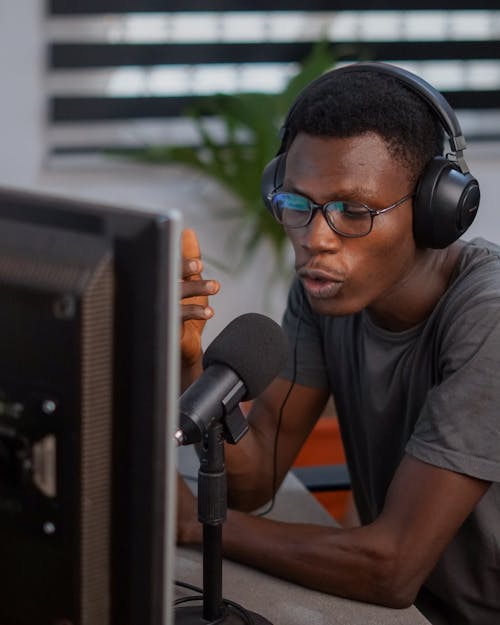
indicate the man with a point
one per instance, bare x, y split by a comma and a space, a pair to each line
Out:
405, 336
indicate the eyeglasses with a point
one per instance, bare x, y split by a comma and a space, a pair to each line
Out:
347, 218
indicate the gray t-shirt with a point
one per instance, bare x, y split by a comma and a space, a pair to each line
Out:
432, 391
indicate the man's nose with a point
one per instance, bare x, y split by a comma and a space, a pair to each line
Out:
318, 236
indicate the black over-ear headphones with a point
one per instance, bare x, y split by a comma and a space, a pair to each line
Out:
447, 195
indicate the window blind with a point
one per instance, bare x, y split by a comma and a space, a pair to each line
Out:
121, 73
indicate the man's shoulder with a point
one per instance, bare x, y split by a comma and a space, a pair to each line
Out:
478, 250
474, 291
478, 266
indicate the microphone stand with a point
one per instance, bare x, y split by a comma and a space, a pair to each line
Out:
212, 508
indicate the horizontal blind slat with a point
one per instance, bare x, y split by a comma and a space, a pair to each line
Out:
98, 108
102, 55
82, 7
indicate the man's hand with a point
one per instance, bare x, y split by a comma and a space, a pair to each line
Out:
194, 299
189, 529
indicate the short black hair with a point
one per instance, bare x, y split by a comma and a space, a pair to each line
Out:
349, 104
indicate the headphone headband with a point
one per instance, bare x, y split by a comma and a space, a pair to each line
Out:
431, 96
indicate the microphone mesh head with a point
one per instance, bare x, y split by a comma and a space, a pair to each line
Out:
254, 347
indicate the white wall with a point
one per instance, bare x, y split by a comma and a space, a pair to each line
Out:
22, 164
484, 162
21, 103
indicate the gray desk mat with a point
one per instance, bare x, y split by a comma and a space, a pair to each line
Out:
282, 602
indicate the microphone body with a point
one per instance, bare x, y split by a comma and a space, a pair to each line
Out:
238, 365
216, 392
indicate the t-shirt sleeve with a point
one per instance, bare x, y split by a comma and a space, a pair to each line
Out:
459, 425
306, 363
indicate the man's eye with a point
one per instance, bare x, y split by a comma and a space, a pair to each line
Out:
354, 210
296, 204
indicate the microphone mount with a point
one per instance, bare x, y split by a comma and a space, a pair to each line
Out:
234, 423
212, 511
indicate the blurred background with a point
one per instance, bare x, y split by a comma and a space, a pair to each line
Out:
156, 103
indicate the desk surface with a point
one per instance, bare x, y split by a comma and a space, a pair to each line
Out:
282, 602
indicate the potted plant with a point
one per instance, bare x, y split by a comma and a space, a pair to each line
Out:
250, 124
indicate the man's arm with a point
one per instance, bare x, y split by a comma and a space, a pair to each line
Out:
384, 562
250, 464
260, 461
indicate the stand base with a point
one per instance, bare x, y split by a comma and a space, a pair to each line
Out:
193, 615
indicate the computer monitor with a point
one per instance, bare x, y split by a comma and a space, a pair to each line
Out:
88, 406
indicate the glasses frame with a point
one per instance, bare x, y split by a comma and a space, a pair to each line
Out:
323, 208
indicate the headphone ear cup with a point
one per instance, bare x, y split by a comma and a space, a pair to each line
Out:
445, 204
272, 178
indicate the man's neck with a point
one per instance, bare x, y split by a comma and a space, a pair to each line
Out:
413, 300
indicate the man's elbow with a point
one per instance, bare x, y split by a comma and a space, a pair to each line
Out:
399, 597
396, 587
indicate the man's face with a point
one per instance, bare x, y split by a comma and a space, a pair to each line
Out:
344, 275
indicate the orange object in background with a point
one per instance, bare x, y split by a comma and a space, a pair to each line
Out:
323, 447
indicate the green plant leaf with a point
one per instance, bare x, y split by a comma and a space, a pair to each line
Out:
235, 154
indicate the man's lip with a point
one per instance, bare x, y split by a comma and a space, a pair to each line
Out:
319, 274
320, 284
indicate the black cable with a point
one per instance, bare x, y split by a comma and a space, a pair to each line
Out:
280, 415
188, 586
282, 407
245, 614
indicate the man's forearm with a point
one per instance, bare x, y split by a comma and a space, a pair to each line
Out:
249, 468
356, 563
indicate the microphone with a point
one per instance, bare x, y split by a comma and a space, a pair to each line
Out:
238, 365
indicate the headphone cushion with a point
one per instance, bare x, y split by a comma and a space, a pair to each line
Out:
272, 178
445, 204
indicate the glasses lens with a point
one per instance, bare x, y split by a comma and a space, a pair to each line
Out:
348, 218
290, 209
